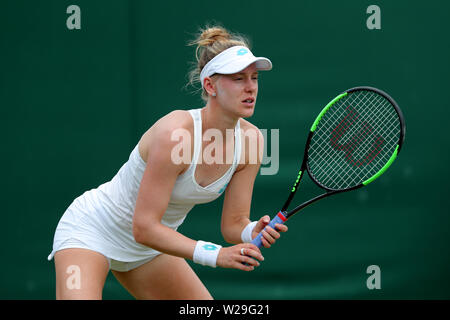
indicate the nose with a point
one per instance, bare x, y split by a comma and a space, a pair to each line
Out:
251, 85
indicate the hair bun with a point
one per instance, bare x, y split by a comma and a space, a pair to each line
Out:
209, 42
213, 34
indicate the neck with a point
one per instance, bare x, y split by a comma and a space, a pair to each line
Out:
216, 117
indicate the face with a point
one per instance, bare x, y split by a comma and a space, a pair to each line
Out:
237, 92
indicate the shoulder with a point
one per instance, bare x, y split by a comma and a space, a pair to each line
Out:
250, 132
252, 144
177, 119
165, 133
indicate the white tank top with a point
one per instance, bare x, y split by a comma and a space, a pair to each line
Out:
110, 207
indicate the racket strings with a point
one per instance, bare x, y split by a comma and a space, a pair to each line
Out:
353, 140
351, 145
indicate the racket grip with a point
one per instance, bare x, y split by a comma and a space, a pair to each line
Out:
279, 218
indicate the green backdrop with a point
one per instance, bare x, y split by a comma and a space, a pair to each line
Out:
75, 102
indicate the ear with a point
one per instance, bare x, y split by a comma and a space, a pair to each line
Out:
209, 85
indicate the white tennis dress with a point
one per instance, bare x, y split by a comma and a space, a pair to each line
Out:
101, 219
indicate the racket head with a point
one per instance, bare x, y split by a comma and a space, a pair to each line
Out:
355, 138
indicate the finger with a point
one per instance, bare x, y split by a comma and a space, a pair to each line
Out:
268, 237
264, 242
264, 221
253, 247
243, 266
248, 260
273, 233
254, 254
281, 227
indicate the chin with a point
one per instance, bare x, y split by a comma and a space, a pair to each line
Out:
246, 112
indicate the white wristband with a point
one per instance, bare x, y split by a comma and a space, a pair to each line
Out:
246, 235
205, 253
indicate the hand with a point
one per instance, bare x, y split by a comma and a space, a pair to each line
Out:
232, 257
269, 235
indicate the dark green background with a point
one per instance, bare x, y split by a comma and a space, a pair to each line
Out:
75, 102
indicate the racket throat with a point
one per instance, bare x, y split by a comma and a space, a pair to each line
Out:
311, 201
294, 187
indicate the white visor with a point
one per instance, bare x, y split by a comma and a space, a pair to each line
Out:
233, 60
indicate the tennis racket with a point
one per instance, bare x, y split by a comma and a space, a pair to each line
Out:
352, 142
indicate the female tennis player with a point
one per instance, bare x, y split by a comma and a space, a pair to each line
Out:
129, 224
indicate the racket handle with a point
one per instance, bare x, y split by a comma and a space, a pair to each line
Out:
279, 218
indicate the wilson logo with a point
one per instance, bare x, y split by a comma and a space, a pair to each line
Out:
356, 140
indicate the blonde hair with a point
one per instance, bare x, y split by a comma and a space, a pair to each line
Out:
211, 41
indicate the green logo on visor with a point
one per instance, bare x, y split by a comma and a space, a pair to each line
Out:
209, 247
242, 51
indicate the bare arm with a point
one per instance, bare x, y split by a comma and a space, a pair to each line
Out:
238, 197
154, 194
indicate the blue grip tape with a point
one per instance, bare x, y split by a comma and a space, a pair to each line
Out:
277, 219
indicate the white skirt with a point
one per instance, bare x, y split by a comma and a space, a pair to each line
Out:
94, 226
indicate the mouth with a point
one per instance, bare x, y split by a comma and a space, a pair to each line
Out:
249, 101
